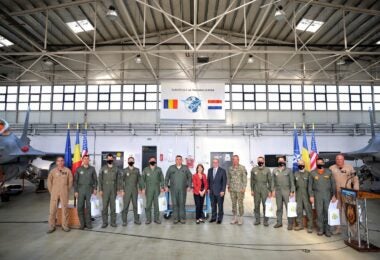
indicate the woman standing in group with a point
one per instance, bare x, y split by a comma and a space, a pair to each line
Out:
200, 187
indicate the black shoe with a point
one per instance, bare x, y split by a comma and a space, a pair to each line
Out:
196, 221
88, 226
147, 222
81, 227
219, 222
257, 222
137, 222
157, 221
328, 234
175, 221
104, 225
278, 225
50, 231
266, 224
113, 225
212, 220
320, 233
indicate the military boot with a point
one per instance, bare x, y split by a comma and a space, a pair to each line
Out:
234, 220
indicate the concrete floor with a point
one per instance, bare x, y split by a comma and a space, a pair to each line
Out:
23, 226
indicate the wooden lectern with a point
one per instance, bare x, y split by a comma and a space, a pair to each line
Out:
354, 204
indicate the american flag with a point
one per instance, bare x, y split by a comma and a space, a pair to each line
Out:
84, 144
313, 152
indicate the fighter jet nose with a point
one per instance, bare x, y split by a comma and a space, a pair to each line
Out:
25, 148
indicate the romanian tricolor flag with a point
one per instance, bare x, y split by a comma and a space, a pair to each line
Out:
214, 104
77, 159
170, 103
305, 151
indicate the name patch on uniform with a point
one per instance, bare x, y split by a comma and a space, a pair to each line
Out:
327, 177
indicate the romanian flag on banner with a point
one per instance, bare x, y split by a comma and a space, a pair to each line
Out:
170, 103
305, 151
214, 104
77, 161
68, 160
84, 144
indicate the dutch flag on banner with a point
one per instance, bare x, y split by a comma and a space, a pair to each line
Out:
214, 104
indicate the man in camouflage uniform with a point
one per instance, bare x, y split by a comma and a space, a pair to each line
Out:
85, 184
344, 176
109, 176
261, 181
237, 182
322, 188
153, 184
131, 183
282, 188
178, 177
302, 197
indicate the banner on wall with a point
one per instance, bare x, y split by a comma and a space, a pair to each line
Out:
196, 101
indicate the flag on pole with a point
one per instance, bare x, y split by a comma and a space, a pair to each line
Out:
77, 161
68, 160
313, 152
305, 151
84, 144
296, 149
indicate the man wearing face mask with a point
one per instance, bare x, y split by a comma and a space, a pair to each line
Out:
344, 176
302, 197
109, 176
178, 177
153, 184
322, 190
282, 189
261, 181
131, 184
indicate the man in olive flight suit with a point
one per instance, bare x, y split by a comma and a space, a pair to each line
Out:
237, 182
322, 190
302, 197
282, 189
109, 176
131, 184
153, 184
178, 177
261, 181
85, 184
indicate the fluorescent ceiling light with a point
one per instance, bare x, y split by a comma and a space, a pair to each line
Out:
279, 15
111, 13
80, 26
5, 42
309, 25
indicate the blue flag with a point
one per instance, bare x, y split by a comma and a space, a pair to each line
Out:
296, 149
68, 158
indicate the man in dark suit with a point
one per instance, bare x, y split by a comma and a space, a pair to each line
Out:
217, 181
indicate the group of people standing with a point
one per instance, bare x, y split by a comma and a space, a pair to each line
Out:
317, 187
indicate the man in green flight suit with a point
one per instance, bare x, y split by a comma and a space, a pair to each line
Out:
178, 177
237, 183
322, 188
302, 197
109, 176
282, 189
261, 181
85, 184
131, 184
153, 184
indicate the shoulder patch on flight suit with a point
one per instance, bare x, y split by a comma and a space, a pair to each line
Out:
316, 177
81, 172
105, 171
297, 178
255, 173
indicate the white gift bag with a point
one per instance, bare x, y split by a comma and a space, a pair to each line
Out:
269, 208
292, 209
119, 204
162, 203
333, 215
95, 206
140, 205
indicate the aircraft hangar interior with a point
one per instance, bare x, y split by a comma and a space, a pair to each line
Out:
189, 129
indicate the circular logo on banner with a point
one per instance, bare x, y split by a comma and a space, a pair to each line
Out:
192, 104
